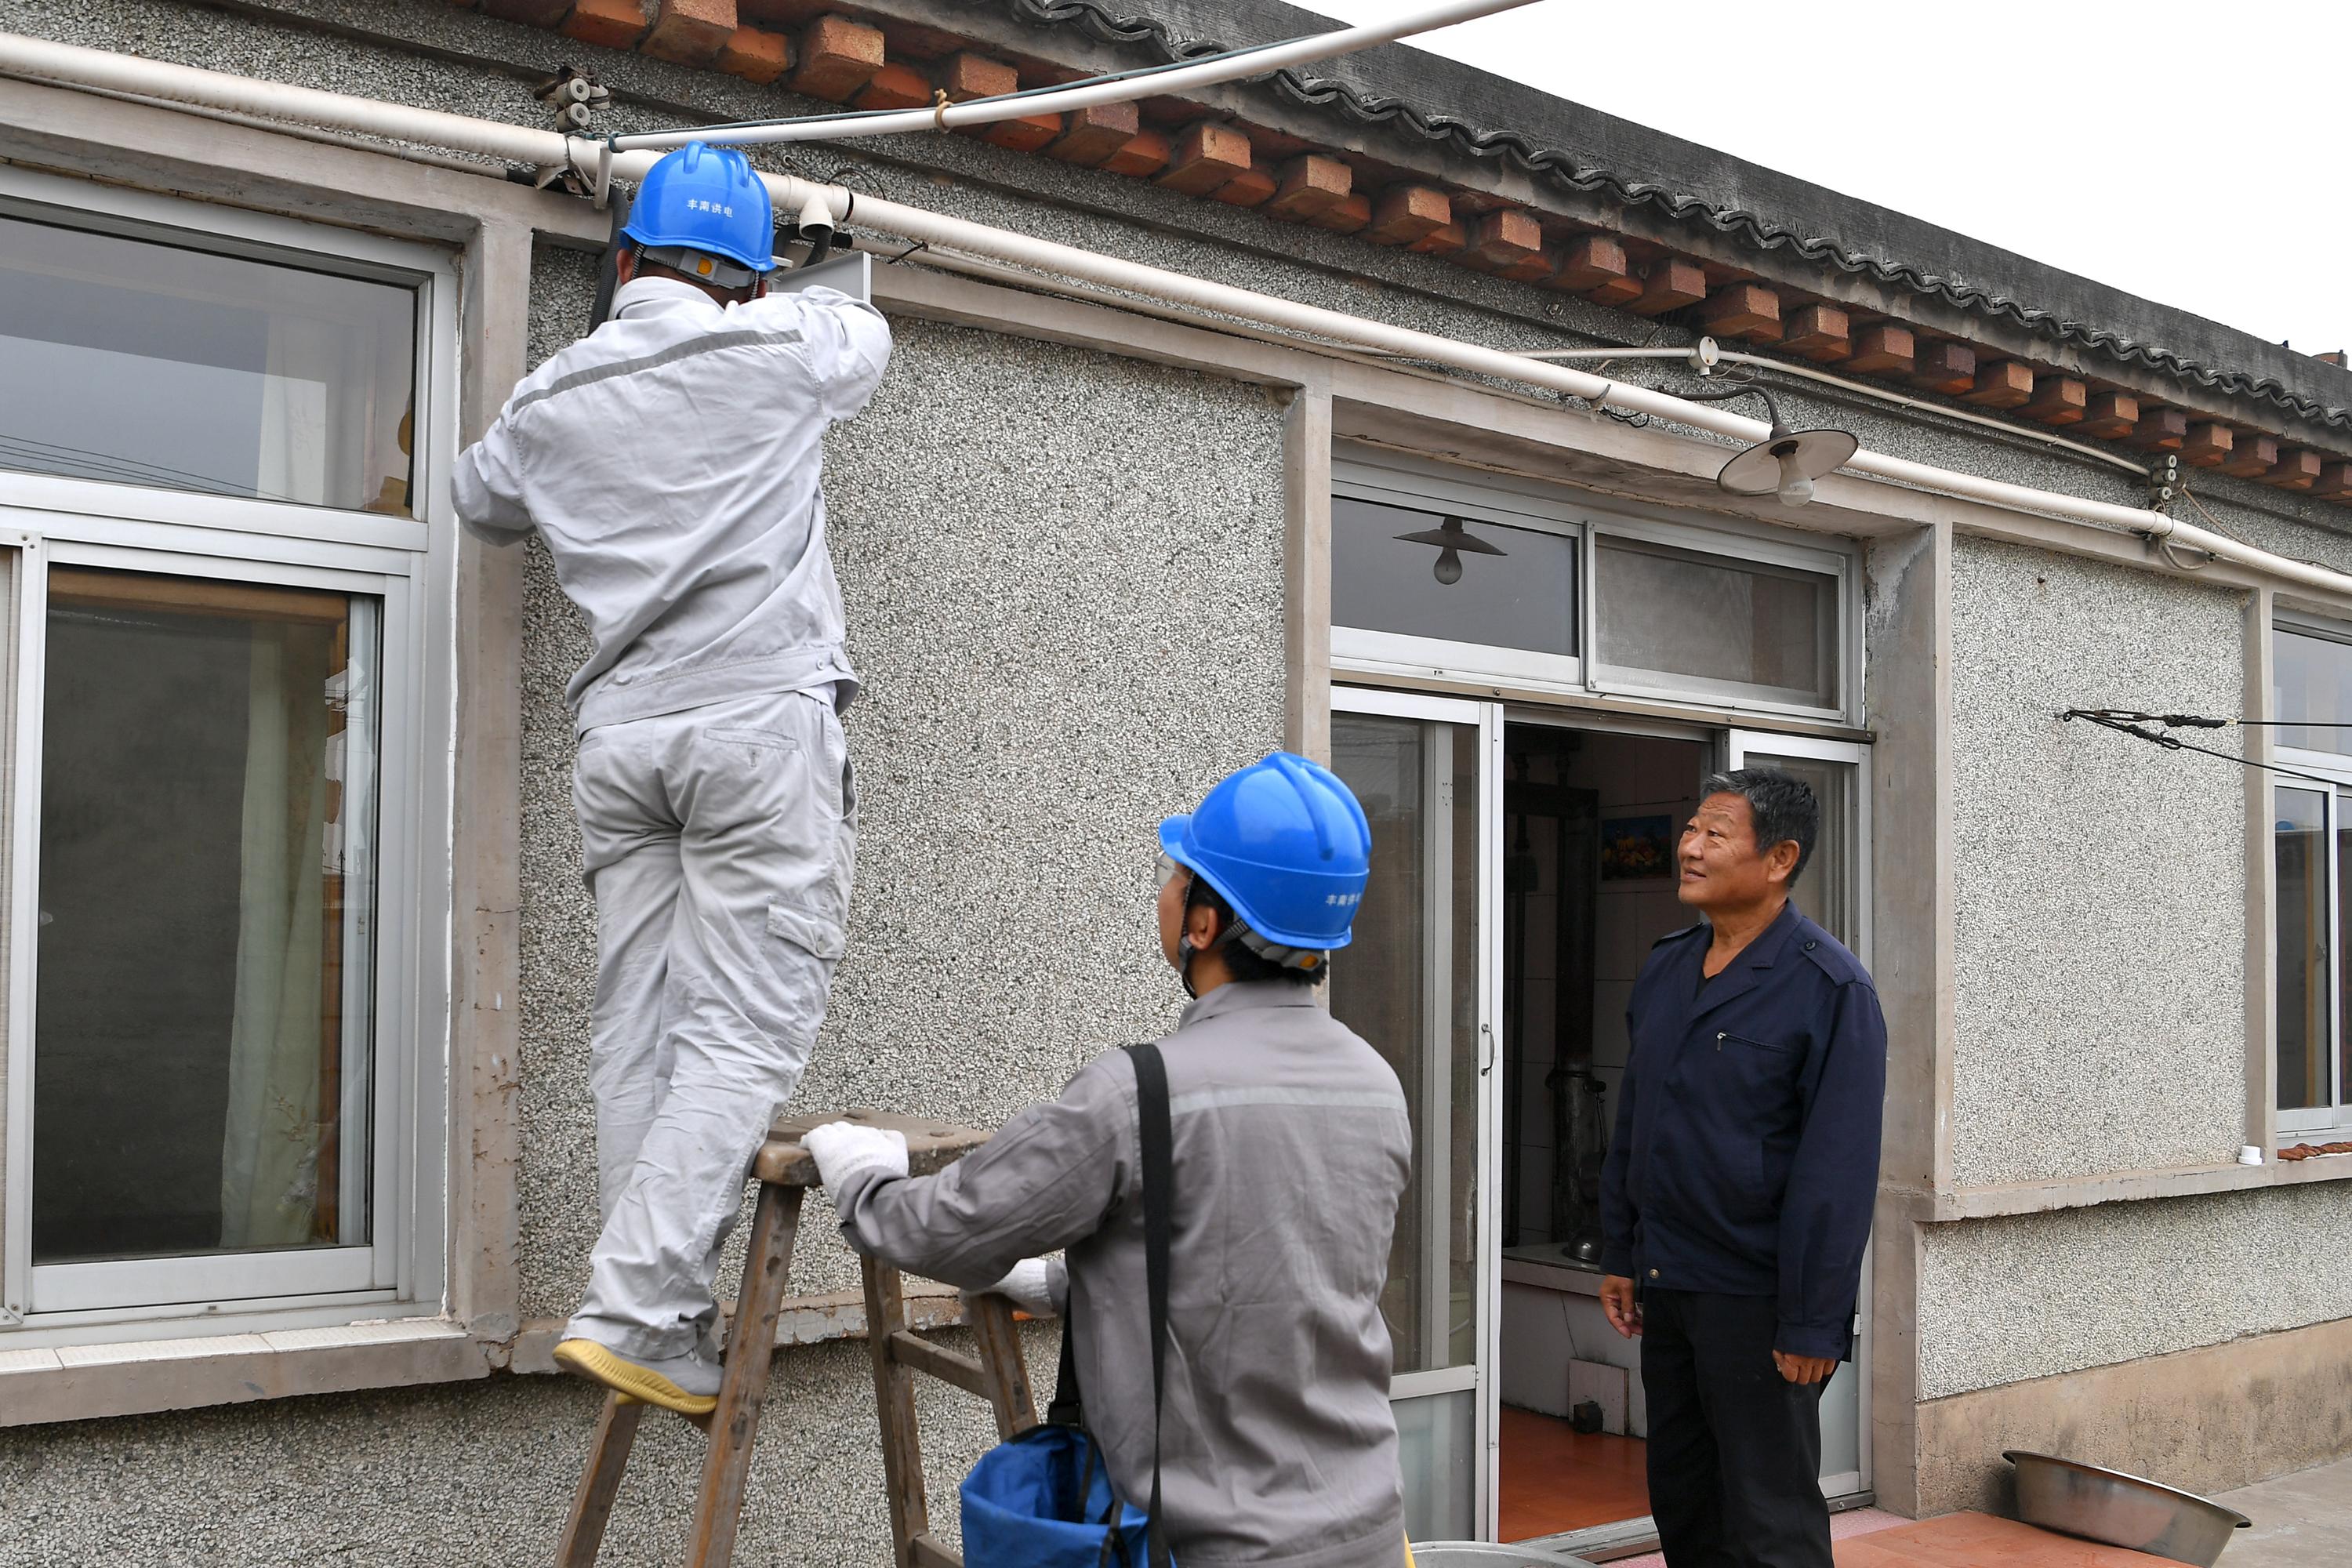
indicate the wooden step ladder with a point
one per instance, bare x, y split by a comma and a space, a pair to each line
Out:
998, 1374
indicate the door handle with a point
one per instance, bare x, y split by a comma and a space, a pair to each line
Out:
1487, 1051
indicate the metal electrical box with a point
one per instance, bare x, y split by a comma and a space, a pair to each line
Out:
853, 274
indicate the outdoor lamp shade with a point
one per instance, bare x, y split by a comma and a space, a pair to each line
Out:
1786, 463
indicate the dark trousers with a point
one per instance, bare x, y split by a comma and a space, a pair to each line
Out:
1735, 1449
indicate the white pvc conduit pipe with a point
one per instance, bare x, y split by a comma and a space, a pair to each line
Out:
1124, 89
75, 66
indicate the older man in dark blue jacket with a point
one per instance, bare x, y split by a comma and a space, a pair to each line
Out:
1737, 1197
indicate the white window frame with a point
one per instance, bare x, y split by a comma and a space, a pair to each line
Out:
1372, 474
404, 562
1434, 1164
1490, 498
1734, 549
2321, 770
2304, 1121
2334, 767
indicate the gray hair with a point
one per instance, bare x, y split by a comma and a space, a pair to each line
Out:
1780, 804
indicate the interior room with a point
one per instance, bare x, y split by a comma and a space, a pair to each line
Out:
1590, 819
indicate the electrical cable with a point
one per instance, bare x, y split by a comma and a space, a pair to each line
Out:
2190, 496
2112, 718
2107, 720
2197, 721
135, 468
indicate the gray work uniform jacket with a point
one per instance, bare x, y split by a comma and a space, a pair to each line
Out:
1292, 1149
670, 461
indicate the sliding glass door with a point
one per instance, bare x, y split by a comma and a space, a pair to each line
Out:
1420, 982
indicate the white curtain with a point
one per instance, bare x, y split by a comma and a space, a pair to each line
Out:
306, 355
269, 1159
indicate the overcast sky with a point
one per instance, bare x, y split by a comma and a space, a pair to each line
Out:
2195, 154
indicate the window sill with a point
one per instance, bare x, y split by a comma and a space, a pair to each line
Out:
44, 1385
139, 1377
2121, 1187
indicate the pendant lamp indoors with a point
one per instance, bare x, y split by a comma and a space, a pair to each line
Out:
1451, 538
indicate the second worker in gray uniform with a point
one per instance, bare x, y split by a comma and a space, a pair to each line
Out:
1291, 1151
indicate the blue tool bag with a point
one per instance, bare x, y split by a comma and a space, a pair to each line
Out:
1044, 1499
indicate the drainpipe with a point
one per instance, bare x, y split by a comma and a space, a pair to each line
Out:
77, 67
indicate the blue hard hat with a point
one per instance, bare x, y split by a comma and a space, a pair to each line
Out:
1286, 843
706, 198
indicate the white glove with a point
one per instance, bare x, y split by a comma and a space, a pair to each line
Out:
845, 1149
1039, 1287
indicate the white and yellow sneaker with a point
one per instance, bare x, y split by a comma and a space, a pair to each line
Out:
686, 1383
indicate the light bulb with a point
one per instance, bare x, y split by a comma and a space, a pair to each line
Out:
1448, 569
1795, 489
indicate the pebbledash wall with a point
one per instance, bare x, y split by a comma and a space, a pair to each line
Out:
2101, 996
1064, 572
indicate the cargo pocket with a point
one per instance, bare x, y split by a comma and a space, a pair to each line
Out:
804, 929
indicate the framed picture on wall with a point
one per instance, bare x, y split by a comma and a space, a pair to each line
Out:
1634, 848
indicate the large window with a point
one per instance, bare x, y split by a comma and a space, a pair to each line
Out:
2311, 846
1450, 574
211, 479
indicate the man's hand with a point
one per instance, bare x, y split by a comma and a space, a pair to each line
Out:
1033, 1287
1617, 1300
1798, 1369
844, 1149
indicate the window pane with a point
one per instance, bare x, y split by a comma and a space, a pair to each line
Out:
1716, 624
2301, 848
1437, 1445
1824, 893
149, 365
2311, 682
201, 1043
1409, 984
1524, 598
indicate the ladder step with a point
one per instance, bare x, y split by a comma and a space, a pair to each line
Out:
926, 1551
912, 1351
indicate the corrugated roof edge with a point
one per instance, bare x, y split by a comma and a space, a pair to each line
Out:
1755, 229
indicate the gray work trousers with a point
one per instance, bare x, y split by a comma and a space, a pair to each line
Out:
718, 844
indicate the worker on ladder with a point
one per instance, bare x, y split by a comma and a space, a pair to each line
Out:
1291, 1148
670, 461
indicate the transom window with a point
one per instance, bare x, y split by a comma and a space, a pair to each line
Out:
1386, 578
1671, 617
215, 442
1445, 573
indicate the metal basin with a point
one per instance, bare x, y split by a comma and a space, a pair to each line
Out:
2121, 1509
1478, 1554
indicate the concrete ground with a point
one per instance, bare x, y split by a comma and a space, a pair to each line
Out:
2302, 1521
